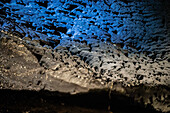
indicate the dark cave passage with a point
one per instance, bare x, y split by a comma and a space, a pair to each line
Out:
14, 101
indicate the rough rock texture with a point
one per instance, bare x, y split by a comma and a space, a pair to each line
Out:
41, 68
25, 64
143, 26
115, 64
75, 46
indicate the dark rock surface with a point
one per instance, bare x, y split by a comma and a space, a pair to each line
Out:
78, 46
50, 102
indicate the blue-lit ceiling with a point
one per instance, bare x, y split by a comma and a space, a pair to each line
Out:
135, 23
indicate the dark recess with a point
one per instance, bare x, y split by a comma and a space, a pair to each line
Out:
5, 1
44, 3
24, 100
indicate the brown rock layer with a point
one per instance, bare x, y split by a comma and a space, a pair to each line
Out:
26, 65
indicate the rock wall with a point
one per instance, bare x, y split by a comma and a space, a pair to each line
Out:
121, 44
141, 25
